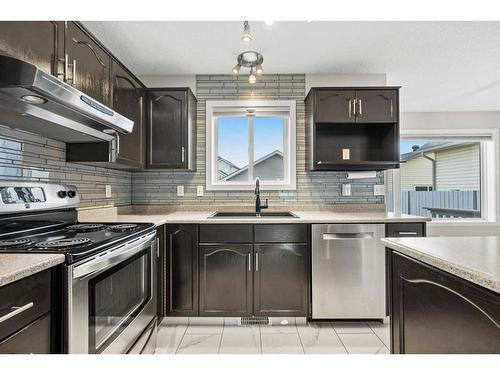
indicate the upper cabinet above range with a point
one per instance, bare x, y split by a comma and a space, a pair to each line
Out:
359, 105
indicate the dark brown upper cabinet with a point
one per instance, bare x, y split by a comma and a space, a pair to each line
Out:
88, 66
171, 129
182, 270
36, 42
352, 128
129, 100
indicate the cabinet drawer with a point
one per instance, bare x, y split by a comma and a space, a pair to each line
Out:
33, 339
406, 230
31, 296
226, 233
284, 233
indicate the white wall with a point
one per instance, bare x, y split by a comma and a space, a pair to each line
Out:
170, 81
339, 80
452, 121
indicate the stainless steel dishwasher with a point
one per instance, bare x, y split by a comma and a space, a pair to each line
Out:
348, 271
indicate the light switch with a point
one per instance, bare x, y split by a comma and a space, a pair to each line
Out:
199, 191
180, 190
346, 190
108, 191
378, 190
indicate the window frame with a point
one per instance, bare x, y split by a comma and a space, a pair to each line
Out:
489, 179
251, 108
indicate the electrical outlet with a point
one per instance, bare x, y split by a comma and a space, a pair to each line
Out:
180, 190
108, 191
346, 154
346, 190
199, 191
378, 190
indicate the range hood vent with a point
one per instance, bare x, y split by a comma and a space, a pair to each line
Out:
35, 101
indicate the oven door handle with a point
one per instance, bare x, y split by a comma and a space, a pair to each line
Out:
105, 261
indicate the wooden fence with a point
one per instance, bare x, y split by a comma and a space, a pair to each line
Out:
466, 203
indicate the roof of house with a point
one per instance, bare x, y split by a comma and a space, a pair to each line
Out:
219, 158
258, 161
433, 147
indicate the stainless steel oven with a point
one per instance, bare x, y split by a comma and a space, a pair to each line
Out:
111, 298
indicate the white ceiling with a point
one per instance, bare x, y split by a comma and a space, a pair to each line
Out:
442, 66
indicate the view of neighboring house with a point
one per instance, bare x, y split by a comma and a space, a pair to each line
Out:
225, 168
441, 179
268, 167
441, 166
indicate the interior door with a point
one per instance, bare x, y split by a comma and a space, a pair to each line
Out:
33, 41
88, 64
226, 280
167, 112
377, 106
128, 100
334, 106
281, 280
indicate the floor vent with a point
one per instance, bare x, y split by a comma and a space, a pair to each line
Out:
253, 321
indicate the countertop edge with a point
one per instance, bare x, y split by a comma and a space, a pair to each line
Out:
47, 261
471, 275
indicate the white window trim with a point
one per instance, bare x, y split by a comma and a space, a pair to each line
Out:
289, 144
490, 182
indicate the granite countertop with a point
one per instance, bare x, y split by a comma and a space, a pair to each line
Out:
476, 259
14, 267
308, 217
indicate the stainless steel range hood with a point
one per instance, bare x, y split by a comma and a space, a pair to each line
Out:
35, 101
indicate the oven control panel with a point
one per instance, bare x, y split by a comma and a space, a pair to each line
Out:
34, 196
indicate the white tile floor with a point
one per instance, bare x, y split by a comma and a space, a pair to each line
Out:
223, 336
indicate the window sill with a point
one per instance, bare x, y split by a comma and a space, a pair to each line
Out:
464, 223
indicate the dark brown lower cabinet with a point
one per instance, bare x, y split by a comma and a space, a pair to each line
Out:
182, 270
226, 280
435, 312
281, 280
162, 268
32, 339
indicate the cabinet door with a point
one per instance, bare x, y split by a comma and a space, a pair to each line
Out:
435, 312
167, 122
128, 100
281, 280
88, 64
182, 269
32, 339
161, 270
334, 106
33, 41
377, 106
226, 280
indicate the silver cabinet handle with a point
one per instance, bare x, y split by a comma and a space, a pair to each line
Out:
157, 247
360, 108
183, 153
348, 236
407, 233
73, 79
249, 262
256, 261
350, 108
66, 67
16, 311
354, 101
392, 109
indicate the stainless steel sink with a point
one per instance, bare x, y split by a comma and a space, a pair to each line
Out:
227, 214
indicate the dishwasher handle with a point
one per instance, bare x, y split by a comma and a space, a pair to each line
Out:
348, 236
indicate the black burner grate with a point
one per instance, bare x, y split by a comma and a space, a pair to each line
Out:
8, 244
65, 243
85, 227
122, 227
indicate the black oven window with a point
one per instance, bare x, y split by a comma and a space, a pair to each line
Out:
116, 297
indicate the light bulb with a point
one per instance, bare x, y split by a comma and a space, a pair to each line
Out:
258, 69
251, 78
246, 36
236, 69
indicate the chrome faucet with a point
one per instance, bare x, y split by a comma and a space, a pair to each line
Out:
258, 206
